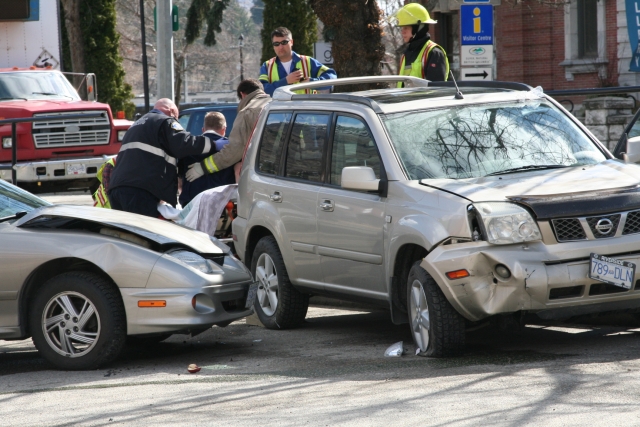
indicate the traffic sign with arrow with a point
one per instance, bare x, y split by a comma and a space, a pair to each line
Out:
467, 73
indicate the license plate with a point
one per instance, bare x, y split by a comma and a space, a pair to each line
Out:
251, 295
76, 168
613, 271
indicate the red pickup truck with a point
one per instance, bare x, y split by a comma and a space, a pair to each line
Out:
57, 153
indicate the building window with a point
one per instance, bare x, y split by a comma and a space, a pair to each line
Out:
585, 38
587, 29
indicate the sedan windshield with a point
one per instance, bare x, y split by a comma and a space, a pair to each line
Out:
36, 85
13, 200
480, 140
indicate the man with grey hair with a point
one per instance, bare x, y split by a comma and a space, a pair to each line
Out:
146, 168
215, 127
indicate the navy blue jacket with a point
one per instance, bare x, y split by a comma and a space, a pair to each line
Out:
209, 180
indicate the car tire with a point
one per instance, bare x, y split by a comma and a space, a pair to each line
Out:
86, 320
437, 328
278, 304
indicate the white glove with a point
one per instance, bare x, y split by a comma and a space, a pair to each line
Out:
195, 171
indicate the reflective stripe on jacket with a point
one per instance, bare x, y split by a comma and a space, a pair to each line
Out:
272, 72
101, 200
417, 68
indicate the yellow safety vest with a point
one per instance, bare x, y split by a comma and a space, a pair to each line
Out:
304, 64
416, 69
101, 200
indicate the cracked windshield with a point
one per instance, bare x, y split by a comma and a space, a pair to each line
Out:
477, 141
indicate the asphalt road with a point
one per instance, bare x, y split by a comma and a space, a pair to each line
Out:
332, 371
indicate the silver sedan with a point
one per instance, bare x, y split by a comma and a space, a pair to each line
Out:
80, 280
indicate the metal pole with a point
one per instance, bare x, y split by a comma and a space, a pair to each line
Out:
14, 154
241, 38
165, 50
145, 67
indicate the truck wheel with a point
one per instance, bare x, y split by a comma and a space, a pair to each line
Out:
437, 328
78, 321
278, 304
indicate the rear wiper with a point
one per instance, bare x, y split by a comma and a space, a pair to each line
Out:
16, 215
525, 168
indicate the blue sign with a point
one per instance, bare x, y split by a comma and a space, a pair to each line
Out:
633, 25
476, 24
34, 5
476, 1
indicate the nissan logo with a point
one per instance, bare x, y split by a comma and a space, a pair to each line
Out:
604, 226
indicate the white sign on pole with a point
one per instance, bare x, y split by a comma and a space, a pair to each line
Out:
476, 55
483, 74
322, 52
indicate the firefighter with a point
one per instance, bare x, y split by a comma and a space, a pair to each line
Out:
422, 58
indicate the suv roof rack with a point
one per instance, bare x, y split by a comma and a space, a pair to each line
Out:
285, 93
488, 84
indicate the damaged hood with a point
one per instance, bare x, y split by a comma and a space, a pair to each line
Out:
157, 230
607, 175
604, 187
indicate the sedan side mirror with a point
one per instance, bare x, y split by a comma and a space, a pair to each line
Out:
632, 151
359, 178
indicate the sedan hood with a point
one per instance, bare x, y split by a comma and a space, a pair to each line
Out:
157, 230
606, 187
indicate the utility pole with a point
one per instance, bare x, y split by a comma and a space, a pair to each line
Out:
145, 67
241, 40
165, 50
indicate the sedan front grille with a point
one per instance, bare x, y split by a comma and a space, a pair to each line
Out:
63, 132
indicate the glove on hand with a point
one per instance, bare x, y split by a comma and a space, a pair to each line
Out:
195, 171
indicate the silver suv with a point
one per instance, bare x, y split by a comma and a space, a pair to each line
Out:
448, 206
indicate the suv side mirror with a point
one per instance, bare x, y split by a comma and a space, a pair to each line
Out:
632, 152
359, 178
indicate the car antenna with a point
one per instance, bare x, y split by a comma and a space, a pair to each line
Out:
458, 93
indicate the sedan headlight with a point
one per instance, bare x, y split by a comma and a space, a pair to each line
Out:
6, 142
506, 223
197, 262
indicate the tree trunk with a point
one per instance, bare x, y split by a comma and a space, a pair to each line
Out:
357, 47
74, 32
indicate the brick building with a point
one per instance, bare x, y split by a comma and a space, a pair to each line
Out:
563, 45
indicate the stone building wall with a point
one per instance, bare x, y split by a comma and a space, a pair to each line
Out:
607, 116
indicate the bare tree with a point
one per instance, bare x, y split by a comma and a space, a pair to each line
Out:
74, 33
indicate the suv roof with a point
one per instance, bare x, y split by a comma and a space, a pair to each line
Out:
381, 100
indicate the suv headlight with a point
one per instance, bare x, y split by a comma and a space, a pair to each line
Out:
506, 223
194, 260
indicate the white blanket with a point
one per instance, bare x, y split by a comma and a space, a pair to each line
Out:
203, 212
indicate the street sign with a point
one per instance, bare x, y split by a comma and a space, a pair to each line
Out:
476, 1
476, 24
483, 74
476, 55
322, 52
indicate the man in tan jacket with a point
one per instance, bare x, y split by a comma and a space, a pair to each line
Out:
252, 100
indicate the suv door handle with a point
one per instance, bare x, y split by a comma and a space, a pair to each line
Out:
276, 197
327, 205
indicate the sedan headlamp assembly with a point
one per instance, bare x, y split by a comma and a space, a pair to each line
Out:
506, 223
195, 261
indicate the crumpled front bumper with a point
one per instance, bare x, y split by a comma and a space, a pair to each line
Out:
536, 270
194, 301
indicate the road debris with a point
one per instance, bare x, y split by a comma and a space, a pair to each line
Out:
394, 350
193, 368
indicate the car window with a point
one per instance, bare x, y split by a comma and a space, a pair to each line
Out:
197, 120
352, 146
270, 151
14, 200
184, 120
479, 140
306, 146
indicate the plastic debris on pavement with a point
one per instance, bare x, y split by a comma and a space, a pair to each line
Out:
394, 350
193, 368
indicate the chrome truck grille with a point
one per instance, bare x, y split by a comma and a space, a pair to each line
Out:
596, 227
62, 132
